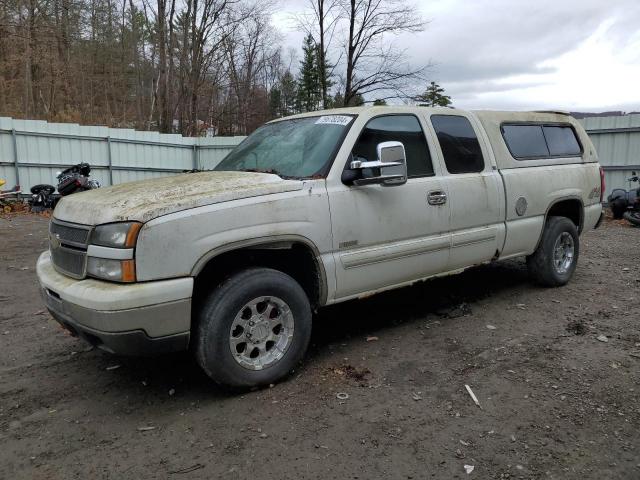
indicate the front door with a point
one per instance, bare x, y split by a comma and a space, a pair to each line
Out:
385, 236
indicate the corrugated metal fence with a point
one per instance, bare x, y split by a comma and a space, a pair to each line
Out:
617, 141
31, 152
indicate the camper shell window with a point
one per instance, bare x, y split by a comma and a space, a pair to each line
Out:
527, 141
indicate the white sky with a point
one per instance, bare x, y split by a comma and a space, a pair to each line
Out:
578, 55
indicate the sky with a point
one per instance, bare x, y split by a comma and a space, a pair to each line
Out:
576, 55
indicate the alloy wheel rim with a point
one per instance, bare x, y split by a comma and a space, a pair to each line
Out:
563, 253
261, 332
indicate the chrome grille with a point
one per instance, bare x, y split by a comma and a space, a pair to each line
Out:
69, 261
68, 246
69, 234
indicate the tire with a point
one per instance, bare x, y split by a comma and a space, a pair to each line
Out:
618, 207
544, 264
43, 187
633, 218
244, 309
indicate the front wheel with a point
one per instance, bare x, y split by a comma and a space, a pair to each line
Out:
253, 329
633, 218
555, 259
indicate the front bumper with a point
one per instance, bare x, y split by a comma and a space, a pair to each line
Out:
133, 319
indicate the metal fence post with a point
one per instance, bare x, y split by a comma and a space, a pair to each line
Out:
195, 156
109, 160
15, 156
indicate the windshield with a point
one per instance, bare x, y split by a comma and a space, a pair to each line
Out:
300, 147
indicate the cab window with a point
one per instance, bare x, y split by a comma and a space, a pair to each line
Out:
459, 144
400, 128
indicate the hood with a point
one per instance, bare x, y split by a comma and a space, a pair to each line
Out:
152, 198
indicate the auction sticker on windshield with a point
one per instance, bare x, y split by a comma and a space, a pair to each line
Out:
334, 120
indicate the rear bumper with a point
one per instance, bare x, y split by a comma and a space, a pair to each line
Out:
593, 215
599, 220
135, 319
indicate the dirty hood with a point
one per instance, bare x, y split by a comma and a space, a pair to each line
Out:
152, 198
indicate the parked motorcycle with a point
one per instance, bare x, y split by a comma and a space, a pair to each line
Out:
71, 180
626, 204
42, 197
76, 179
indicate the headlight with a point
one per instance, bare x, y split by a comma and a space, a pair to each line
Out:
118, 235
110, 252
111, 269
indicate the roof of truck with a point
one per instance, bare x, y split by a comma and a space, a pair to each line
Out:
540, 115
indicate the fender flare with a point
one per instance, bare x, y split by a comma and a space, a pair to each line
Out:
555, 202
276, 242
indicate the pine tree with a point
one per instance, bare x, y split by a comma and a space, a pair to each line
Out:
288, 94
324, 78
337, 101
309, 88
434, 97
275, 102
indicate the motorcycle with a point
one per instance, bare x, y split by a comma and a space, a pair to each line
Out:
42, 197
70, 180
626, 204
76, 179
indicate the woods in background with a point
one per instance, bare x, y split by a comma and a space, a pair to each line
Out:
195, 67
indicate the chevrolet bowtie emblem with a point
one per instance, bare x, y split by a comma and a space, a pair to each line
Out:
55, 240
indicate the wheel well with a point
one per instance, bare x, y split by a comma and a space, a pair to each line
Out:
571, 209
296, 259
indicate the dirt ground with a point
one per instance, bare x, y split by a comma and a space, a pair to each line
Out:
556, 401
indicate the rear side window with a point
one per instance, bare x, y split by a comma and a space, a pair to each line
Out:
526, 141
400, 128
561, 140
459, 144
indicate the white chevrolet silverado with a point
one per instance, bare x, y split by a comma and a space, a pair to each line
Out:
311, 210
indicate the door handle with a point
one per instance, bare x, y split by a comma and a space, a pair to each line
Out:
437, 197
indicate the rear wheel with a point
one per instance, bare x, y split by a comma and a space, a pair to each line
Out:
253, 329
555, 259
633, 218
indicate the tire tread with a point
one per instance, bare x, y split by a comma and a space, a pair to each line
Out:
539, 264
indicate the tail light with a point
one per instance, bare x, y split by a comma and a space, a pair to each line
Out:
602, 184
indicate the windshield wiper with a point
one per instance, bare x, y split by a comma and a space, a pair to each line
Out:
272, 171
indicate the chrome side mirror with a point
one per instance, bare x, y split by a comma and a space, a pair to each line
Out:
390, 155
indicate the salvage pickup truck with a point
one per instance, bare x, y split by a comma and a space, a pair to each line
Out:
312, 210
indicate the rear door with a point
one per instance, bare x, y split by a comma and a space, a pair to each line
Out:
474, 189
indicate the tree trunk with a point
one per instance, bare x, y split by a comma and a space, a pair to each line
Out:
322, 57
348, 94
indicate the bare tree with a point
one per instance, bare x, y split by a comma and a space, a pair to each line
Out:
209, 65
250, 57
206, 39
372, 63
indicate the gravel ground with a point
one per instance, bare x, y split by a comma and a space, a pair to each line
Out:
557, 400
